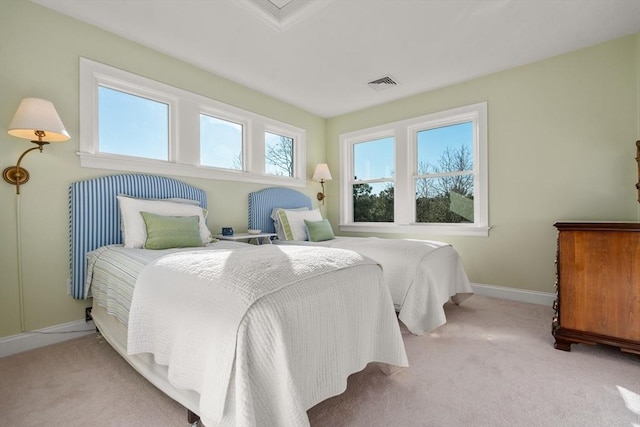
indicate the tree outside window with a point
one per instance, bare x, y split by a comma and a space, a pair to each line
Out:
278, 155
444, 183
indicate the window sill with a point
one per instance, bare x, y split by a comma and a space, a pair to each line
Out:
450, 230
88, 160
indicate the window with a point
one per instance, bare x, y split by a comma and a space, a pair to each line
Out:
279, 155
444, 180
373, 180
131, 123
220, 143
426, 174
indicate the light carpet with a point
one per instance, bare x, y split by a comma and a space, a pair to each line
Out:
492, 364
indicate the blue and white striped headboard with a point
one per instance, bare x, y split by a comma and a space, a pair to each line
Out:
262, 202
94, 217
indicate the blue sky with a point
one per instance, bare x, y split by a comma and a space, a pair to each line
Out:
375, 159
137, 127
433, 143
220, 143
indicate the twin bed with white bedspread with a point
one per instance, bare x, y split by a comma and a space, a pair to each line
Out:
421, 275
238, 334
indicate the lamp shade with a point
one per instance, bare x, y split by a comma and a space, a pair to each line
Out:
322, 173
35, 114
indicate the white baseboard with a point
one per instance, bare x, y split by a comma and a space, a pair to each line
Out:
39, 338
533, 297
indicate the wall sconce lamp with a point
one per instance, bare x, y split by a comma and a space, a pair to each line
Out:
35, 117
322, 174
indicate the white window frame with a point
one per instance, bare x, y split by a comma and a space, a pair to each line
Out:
405, 135
184, 131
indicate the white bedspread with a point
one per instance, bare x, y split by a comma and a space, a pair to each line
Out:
422, 276
229, 324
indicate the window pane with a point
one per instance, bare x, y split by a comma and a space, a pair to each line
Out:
131, 125
373, 202
220, 143
445, 199
373, 159
278, 151
445, 149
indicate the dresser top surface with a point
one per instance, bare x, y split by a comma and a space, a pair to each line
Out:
597, 225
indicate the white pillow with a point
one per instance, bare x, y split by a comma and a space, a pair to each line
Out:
292, 222
134, 229
181, 200
171, 199
276, 220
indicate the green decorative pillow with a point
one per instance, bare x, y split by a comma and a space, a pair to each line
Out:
164, 232
319, 231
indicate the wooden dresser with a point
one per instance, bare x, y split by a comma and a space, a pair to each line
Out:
598, 285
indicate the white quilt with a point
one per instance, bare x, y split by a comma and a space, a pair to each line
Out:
263, 333
422, 276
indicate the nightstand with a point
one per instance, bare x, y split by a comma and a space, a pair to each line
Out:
258, 239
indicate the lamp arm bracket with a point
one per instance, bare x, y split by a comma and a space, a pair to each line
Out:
15, 174
39, 147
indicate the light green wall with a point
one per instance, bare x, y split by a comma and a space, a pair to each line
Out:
39, 51
561, 145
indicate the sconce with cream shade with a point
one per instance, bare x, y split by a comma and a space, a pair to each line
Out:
35, 118
322, 174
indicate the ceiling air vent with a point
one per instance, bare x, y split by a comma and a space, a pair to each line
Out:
382, 83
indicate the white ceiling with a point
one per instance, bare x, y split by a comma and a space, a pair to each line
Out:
320, 54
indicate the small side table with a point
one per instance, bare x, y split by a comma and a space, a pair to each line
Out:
258, 239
